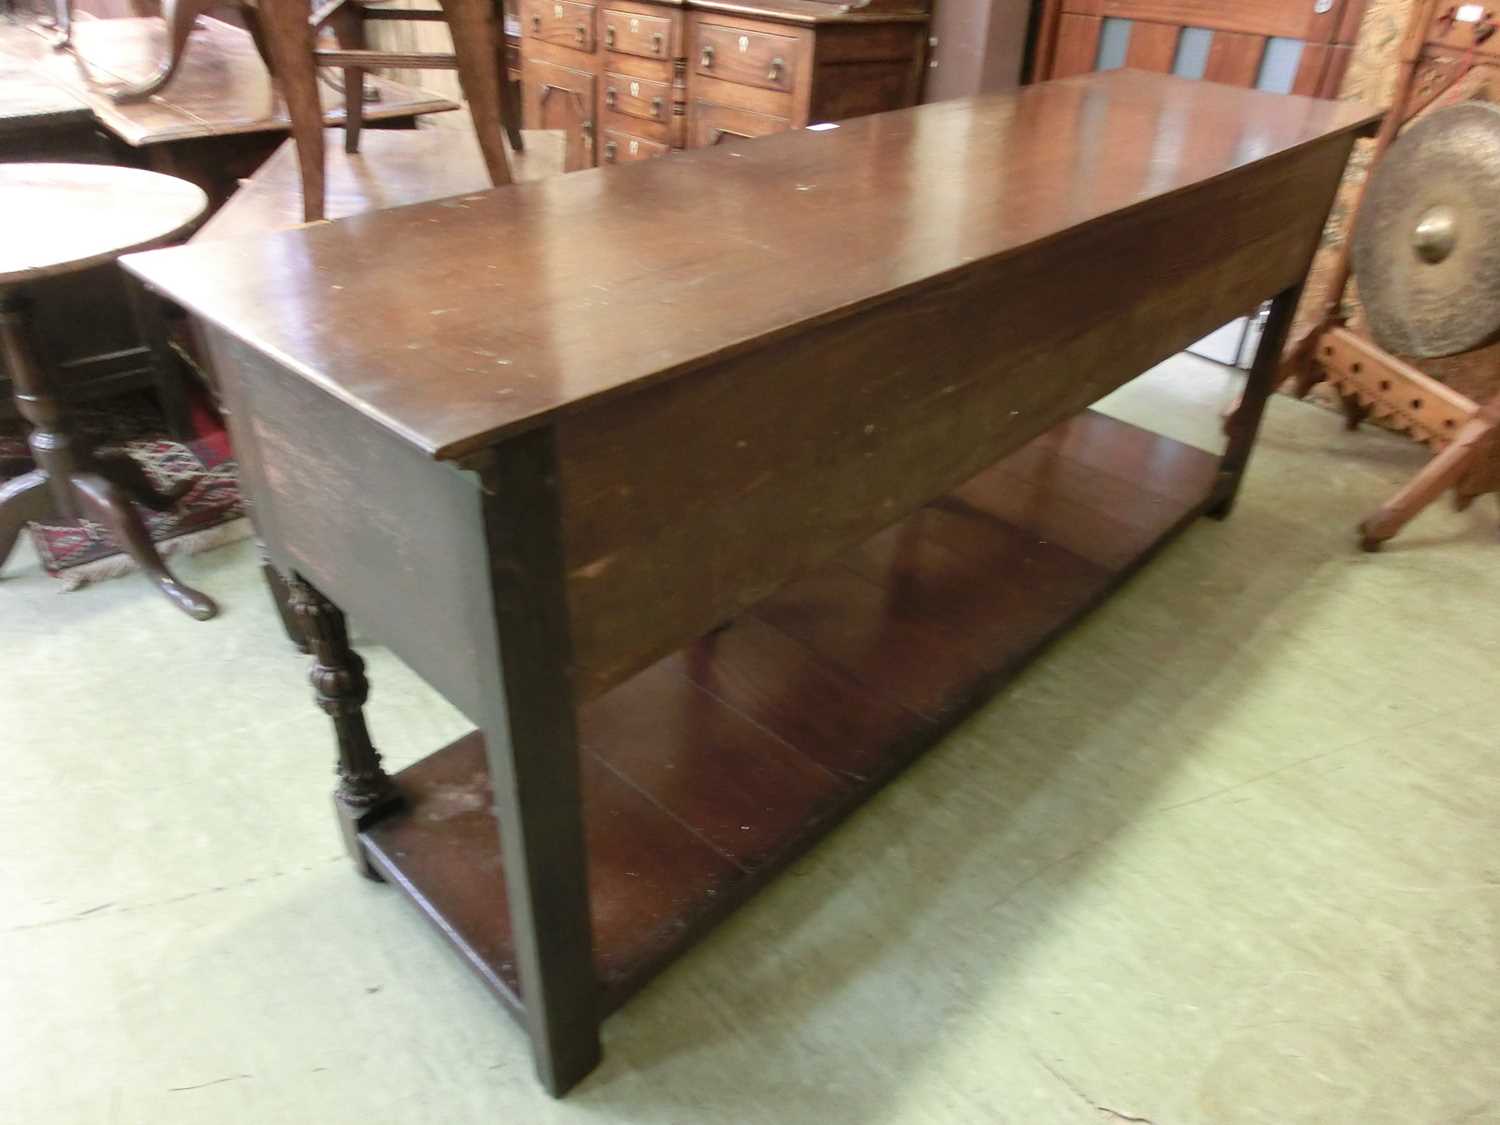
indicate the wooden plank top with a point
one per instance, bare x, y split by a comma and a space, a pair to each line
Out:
392, 167
456, 321
28, 104
220, 88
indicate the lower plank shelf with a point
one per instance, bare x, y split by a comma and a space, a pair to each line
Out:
714, 768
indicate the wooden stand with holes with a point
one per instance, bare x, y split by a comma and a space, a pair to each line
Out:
1437, 52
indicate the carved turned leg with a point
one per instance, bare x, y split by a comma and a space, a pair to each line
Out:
338, 677
281, 599
1244, 424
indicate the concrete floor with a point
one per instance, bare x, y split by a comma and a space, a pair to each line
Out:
1227, 854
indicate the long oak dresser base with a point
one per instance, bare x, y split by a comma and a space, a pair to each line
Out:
703, 589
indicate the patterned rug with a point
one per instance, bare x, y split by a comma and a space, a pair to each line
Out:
210, 515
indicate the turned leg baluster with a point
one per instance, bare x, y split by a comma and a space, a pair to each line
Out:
338, 677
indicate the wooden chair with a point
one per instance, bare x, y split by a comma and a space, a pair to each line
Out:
285, 33
290, 39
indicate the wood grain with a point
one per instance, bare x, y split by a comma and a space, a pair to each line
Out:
584, 314
66, 217
901, 408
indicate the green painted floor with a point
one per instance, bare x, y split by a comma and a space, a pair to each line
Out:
1227, 854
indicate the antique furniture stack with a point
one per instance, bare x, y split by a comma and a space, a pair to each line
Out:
75, 217
214, 124
710, 525
1425, 257
635, 79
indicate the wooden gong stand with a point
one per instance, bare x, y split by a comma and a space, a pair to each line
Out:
1437, 52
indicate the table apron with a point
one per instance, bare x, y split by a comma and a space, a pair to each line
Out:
687, 502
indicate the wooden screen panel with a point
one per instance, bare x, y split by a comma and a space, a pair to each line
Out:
1234, 58
1153, 46
1292, 19
1077, 45
1069, 34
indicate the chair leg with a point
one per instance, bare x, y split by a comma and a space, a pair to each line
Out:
510, 110
289, 37
180, 16
476, 45
348, 24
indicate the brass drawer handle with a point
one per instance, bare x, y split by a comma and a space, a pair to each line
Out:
536, 23
706, 59
777, 66
610, 148
658, 41
580, 33
609, 98
609, 35
656, 107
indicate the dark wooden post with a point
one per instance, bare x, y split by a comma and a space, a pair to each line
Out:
338, 677
532, 749
1244, 424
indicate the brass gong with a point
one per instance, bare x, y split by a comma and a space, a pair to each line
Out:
1427, 244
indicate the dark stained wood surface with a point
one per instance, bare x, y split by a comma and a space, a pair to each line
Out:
518, 322
713, 769
392, 168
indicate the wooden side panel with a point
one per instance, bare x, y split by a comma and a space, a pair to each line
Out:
1294, 19
721, 487
1310, 70
1234, 58
1077, 45
1153, 46
388, 535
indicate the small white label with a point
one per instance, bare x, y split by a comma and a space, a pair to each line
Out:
744, 43
635, 147
635, 89
1470, 13
635, 25
821, 127
1323, 7
557, 11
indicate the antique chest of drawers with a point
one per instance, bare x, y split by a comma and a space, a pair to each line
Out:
635, 79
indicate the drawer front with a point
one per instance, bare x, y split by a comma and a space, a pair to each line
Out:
559, 97
561, 22
628, 33
708, 124
622, 148
638, 97
749, 58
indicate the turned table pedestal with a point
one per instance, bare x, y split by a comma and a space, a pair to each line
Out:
67, 218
